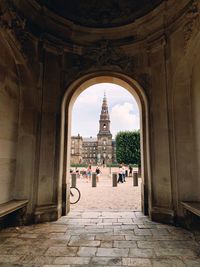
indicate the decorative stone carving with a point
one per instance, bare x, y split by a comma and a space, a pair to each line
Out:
102, 56
192, 24
12, 22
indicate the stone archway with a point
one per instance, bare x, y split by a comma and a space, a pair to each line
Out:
71, 94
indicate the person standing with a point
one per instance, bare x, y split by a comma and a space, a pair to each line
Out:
130, 170
98, 171
89, 172
123, 173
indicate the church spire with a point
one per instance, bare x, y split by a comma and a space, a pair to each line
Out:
104, 122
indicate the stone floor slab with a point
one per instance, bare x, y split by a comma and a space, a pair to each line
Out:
80, 244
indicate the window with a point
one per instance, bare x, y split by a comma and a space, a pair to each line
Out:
72, 151
104, 142
104, 126
94, 155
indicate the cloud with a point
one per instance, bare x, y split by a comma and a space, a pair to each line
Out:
123, 110
123, 118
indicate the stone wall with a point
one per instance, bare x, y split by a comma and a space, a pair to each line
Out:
160, 51
9, 120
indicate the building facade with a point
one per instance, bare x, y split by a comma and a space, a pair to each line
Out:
99, 150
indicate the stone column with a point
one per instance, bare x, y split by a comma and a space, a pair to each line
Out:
161, 206
49, 139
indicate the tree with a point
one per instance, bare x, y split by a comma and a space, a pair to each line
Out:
128, 147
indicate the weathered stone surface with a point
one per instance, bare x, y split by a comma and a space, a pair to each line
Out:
116, 252
37, 248
61, 251
72, 260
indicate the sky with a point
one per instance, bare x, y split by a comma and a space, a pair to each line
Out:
123, 110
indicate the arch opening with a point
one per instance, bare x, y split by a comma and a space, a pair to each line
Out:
71, 94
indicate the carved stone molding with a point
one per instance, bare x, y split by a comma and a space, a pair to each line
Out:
102, 56
192, 22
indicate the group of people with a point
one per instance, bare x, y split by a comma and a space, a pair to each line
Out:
87, 173
122, 173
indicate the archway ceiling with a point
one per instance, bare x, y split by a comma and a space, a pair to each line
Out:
100, 13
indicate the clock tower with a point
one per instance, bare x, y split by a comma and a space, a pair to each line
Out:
104, 137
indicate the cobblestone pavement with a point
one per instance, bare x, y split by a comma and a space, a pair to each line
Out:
97, 238
107, 198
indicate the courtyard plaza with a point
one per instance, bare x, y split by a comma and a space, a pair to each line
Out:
105, 228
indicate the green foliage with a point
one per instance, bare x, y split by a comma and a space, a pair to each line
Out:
79, 165
128, 147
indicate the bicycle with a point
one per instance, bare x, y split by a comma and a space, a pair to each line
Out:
75, 195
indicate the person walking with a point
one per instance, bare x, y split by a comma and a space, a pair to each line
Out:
98, 171
120, 179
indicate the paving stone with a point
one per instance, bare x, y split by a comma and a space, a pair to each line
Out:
129, 226
86, 251
135, 237
10, 258
118, 252
192, 262
78, 242
174, 252
106, 244
135, 262
141, 253
148, 244
61, 251
178, 244
125, 221
167, 263
33, 260
109, 237
125, 244
146, 226
159, 232
110, 220
106, 261
142, 232
72, 260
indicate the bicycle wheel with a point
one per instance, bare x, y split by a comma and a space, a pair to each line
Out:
75, 195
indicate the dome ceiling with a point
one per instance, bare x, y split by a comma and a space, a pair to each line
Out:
100, 13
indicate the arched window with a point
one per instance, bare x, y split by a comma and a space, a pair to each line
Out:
104, 126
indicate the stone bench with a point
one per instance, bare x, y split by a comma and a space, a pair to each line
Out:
191, 208
17, 207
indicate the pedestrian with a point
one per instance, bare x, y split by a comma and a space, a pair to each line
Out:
120, 179
123, 173
89, 172
130, 170
98, 171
